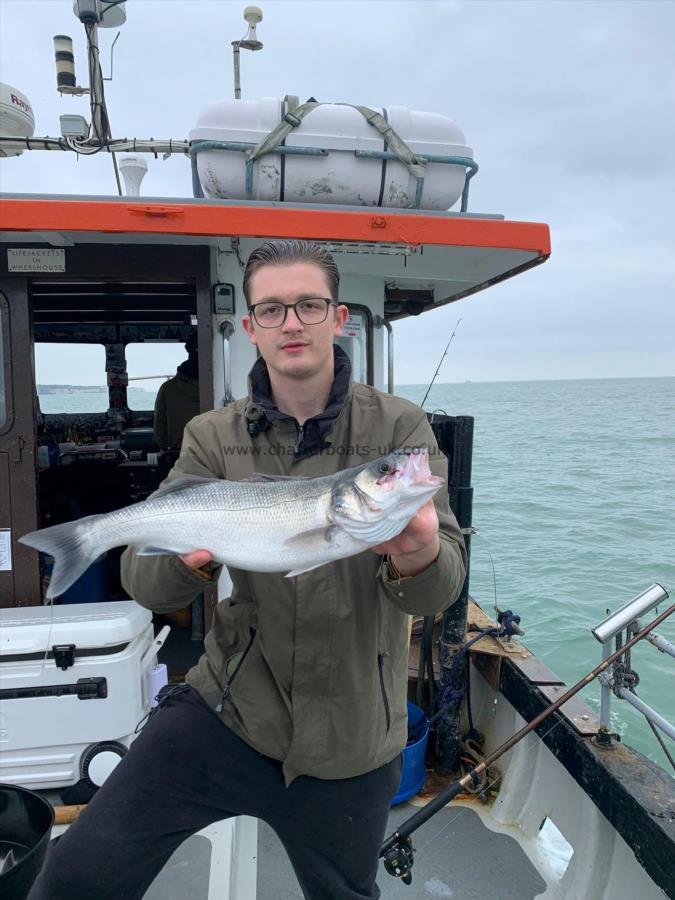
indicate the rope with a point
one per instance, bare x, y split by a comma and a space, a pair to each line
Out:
507, 620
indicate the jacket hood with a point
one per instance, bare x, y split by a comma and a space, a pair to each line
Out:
261, 410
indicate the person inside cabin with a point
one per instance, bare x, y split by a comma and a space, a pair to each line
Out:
296, 713
178, 400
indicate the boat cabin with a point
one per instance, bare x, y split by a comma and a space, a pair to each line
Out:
110, 280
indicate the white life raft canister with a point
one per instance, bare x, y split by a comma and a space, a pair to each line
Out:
339, 177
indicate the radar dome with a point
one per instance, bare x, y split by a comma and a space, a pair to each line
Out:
16, 117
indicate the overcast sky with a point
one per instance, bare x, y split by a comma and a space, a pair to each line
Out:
568, 106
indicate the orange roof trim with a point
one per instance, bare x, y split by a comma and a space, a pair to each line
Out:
155, 217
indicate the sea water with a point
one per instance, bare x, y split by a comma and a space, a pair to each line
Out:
574, 500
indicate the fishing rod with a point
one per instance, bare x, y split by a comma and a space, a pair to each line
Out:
445, 352
397, 850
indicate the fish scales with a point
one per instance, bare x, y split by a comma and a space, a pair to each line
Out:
245, 521
285, 525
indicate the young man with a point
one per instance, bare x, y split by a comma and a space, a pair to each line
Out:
296, 713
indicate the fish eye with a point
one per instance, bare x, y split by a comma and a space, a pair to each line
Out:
383, 468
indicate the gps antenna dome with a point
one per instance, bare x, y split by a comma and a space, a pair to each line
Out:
253, 15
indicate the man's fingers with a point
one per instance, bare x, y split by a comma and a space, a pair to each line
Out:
197, 559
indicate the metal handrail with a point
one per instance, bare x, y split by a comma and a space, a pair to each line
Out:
381, 322
622, 679
245, 147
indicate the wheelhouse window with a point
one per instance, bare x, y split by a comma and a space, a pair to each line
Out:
149, 364
71, 378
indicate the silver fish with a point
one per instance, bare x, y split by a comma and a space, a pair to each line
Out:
262, 524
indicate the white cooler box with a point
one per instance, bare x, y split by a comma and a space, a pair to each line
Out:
73, 717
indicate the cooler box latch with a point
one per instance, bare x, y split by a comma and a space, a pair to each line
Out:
64, 655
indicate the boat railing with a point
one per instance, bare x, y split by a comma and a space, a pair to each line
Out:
614, 632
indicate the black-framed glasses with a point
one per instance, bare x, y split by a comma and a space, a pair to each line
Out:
309, 310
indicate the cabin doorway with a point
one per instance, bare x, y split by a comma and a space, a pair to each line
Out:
19, 566
82, 440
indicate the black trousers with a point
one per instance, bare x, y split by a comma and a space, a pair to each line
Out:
187, 770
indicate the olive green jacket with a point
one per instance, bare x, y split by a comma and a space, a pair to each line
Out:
177, 402
310, 670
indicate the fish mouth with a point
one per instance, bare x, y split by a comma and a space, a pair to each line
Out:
412, 468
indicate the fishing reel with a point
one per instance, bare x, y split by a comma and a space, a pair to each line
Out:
399, 859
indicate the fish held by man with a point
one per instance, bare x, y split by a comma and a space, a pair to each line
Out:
263, 524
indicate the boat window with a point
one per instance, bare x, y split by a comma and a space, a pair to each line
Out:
353, 341
149, 364
71, 378
3, 400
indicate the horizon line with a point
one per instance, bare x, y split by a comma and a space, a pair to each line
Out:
536, 380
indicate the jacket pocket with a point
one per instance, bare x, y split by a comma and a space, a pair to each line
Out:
385, 701
232, 667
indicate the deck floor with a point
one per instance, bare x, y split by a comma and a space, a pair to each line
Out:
457, 856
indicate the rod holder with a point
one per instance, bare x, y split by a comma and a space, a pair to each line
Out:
629, 612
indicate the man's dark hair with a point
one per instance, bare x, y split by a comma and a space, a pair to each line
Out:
285, 253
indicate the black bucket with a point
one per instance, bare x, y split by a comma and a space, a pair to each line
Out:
25, 827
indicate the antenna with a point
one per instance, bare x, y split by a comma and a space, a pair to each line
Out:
253, 15
133, 169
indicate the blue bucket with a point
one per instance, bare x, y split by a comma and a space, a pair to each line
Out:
413, 772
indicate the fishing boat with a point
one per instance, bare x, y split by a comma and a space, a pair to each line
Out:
569, 811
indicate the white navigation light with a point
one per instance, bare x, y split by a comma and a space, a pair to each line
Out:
16, 117
253, 15
133, 169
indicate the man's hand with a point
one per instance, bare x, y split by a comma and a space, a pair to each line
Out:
418, 545
196, 559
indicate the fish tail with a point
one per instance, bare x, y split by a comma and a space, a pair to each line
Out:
72, 549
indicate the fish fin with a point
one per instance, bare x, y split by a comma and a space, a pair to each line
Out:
300, 571
260, 477
153, 551
326, 532
68, 544
182, 484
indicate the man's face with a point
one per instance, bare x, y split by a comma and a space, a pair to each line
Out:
294, 350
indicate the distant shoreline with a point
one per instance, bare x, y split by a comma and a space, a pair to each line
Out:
47, 389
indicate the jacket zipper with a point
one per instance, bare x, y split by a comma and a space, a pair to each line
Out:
301, 435
380, 666
228, 687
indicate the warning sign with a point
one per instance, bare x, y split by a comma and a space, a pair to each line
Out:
27, 260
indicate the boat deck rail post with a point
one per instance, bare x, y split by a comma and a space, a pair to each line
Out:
622, 680
455, 438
